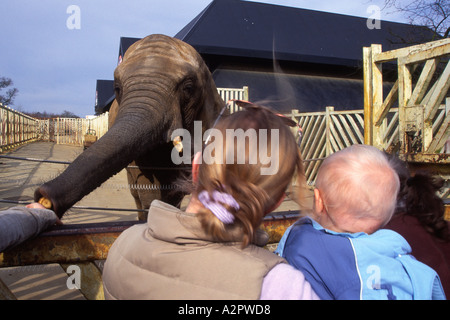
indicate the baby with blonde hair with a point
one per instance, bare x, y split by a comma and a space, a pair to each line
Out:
356, 191
341, 248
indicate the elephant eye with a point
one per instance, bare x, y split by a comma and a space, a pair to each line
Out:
188, 86
117, 92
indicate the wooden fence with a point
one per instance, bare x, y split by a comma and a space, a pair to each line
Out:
16, 128
228, 94
72, 130
324, 133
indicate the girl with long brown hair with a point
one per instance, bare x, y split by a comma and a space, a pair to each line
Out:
212, 250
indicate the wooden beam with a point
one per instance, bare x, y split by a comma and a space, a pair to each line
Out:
439, 93
368, 110
424, 81
377, 96
395, 54
404, 93
441, 136
429, 53
387, 104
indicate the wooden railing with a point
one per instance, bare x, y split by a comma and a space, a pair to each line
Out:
324, 133
228, 94
15, 128
73, 130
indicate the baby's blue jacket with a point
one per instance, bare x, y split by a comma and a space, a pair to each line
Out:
358, 266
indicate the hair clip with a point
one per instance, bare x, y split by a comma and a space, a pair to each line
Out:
215, 204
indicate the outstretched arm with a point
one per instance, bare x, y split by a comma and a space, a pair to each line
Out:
21, 223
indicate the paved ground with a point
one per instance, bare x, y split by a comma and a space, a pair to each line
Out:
19, 179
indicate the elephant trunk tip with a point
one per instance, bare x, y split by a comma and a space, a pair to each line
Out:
42, 196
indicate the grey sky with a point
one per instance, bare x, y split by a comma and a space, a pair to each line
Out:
56, 68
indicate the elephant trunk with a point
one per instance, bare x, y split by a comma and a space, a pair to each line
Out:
129, 136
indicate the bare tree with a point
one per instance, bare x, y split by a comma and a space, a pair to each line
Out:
8, 97
434, 14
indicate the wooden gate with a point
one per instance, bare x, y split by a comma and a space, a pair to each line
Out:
421, 92
72, 130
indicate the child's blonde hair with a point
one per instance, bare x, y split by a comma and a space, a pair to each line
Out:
256, 194
359, 180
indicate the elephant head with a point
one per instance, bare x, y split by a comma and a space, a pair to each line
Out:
161, 85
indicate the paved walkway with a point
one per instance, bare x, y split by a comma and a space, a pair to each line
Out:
19, 179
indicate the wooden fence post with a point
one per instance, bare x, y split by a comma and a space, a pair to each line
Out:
246, 97
377, 97
328, 130
368, 112
294, 130
8, 128
404, 94
57, 130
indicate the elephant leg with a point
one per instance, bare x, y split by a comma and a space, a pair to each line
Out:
146, 196
143, 190
133, 177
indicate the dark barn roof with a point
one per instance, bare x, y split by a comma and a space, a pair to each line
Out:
320, 53
104, 94
125, 43
251, 29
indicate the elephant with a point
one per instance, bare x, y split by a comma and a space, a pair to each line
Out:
162, 85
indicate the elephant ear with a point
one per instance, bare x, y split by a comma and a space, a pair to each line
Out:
213, 106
